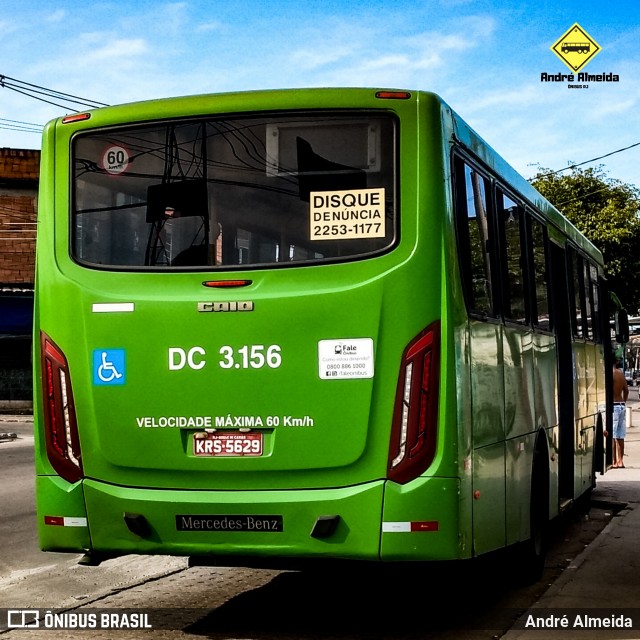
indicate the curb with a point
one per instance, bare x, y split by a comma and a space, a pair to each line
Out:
6, 417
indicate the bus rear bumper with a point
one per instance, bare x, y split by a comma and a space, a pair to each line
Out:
277, 524
377, 521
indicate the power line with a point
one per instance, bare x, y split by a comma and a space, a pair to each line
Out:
584, 196
17, 125
69, 101
579, 164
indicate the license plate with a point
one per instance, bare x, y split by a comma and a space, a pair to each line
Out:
227, 444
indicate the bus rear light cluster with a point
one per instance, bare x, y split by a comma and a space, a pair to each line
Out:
61, 429
414, 429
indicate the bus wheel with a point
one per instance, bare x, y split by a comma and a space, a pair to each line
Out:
533, 551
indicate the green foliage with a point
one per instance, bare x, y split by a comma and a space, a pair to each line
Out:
607, 212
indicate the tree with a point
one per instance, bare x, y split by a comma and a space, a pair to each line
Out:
607, 212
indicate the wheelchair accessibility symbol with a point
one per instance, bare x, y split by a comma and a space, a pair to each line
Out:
108, 366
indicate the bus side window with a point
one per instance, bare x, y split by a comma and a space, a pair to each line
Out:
588, 302
577, 297
595, 303
510, 217
540, 283
474, 238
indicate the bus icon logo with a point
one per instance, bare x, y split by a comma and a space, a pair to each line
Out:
23, 618
575, 48
108, 366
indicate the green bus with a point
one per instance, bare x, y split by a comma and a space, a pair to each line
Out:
280, 327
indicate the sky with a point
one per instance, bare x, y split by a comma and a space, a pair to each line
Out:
484, 57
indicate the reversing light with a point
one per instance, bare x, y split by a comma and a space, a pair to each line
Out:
393, 95
61, 429
221, 284
413, 433
76, 117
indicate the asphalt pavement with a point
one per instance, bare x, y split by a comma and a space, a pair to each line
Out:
598, 594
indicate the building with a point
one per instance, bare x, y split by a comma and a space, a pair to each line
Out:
19, 177
19, 173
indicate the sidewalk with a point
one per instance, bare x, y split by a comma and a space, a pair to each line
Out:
603, 582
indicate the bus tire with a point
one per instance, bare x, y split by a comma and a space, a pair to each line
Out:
533, 551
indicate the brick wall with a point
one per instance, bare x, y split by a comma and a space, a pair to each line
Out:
19, 173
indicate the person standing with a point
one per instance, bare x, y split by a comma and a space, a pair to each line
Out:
620, 395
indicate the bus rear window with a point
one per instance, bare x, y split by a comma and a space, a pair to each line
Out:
235, 192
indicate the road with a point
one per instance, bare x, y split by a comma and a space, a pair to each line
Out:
32, 578
17, 525
185, 602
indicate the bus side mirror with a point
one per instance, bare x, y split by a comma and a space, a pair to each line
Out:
622, 326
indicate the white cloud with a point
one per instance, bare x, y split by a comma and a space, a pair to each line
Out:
7, 27
309, 59
120, 48
209, 26
340, 53
522, 96
56, 16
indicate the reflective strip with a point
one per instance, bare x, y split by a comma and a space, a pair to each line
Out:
396, 527
60, 521
112, 307
75, 522
410, 527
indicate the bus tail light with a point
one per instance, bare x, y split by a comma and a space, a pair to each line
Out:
414, 429
61, 429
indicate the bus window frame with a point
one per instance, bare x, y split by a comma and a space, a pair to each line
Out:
463, 241
530, 219
506, 306
594, 291
359, 113
591, 316
575, 261
461, 160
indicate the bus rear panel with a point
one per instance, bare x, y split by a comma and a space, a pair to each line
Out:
233, 357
